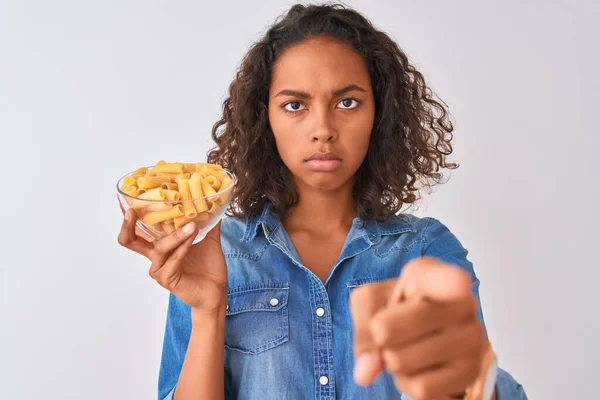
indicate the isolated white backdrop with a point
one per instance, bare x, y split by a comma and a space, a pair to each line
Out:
89, 90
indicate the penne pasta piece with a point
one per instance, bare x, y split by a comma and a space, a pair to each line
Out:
170, 175
149, 172
197, 193
183, 175
188, 205
174, 168
214, 167
141, 191
225, 191
169, 186
208, 190
130, 180
150, 182
157, 206
139, 172
153, 194
180, 221
159, 216
131, 191
189, 167
172, 195
214, 182
168, 226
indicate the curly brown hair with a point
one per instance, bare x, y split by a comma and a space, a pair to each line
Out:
409, 141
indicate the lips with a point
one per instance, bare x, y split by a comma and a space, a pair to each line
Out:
324, 157
324, 162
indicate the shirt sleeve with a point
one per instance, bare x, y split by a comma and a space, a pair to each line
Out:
445, 246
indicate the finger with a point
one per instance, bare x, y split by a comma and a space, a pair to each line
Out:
163, 247
365, 301
442, 382
128, 238
167, 273
450, 344
138, 231
430, 278
402, 323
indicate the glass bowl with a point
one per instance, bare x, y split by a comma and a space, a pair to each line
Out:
159, 218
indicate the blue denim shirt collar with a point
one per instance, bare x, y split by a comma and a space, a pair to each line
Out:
372, 230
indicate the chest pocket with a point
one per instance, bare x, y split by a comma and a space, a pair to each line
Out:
257, 319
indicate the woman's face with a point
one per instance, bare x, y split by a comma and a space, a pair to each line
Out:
321, 111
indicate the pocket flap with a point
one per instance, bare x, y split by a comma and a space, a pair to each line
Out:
260, 299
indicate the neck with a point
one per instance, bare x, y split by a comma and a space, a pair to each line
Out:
332, 209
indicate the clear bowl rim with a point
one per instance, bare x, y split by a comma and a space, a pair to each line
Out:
120, 192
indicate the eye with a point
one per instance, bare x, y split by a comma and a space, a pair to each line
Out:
293, 106
349, 104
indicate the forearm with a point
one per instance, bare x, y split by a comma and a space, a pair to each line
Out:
201, 376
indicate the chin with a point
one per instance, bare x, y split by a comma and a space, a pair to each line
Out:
329, 182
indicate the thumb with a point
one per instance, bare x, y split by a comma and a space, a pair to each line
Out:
365, 302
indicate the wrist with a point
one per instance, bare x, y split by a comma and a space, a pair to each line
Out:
203, 316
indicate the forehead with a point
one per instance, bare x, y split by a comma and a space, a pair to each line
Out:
320, 62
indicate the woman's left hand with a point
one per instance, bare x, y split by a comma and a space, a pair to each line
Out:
431, 342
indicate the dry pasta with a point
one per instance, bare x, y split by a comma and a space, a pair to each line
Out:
167, 195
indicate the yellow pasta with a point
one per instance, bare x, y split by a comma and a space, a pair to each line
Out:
130, 180
150, 182
175, 168
160, 216
189, 167
153, 194
180, 221
215, 167
167, 196
197, 193
169, 186
158, 206
214, 182
172, 195
139, 172
168, 226
186, 195
224, 192
207, 190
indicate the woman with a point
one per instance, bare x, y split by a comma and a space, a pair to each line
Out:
329, 131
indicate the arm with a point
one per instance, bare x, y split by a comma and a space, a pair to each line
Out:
192, 365
443, 245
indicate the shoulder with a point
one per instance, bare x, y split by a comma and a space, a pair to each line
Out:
428, 231
420, 226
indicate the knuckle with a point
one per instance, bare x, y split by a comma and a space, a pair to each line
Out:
121, 240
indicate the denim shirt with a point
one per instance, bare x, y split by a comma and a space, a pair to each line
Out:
288, 335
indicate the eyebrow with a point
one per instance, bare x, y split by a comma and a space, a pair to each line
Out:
304, 95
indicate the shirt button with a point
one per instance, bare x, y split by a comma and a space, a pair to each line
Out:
274, 302
320, 313
269, 229
323, 380
372, 237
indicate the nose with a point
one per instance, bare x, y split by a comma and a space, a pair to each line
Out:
325, 130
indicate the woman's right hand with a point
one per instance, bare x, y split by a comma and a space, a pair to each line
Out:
196, 274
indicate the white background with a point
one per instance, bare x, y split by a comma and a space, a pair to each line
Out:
92, 89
